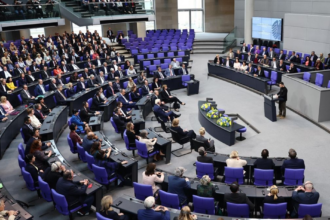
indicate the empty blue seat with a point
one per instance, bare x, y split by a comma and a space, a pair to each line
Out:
319, 79
307, 76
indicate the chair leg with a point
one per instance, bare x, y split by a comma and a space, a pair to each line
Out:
133, 153
182, 153
240, 138
71, 216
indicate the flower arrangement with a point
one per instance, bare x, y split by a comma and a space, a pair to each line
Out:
213, 113
224, 122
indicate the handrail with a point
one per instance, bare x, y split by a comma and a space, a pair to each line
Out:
230, 39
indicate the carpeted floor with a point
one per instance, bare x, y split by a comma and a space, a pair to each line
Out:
310, 142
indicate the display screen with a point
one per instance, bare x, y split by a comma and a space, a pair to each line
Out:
267, 28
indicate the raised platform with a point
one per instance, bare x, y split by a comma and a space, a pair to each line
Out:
209, 43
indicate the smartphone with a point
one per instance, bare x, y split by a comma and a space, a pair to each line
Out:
90, 185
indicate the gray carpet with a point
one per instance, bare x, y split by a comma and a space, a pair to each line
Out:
310, 142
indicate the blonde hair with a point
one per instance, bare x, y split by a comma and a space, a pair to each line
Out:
205, 180
3, 99
274, 191
234, 154
69, 85
185, 214
129, 127
106, 204
202, 131
175, 122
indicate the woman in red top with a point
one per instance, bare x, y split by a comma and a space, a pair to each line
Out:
57, 70
308, 61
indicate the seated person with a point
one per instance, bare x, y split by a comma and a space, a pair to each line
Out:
85, 113
53, 174
11, 213
38, 113
108, 212
34, 120
150, 177
97, 102
183, 70
81, 85
155, 84
41, 159
59, 96
205, 188
272, 197
145, 90
44, 108
75, 192
10, 84
130, 132
75, 119
237, 64
177, 184
292, 68
156, 96
151, 144
264, 162
27, 128
151, 213
168, 98
32, 168
202, 156
185, 214
88, 141
119, 120
237, 198
304, 195
74, 136
164, 115
125, 115
260, 72
234, 161
217, 60
293, 162
5, 104
169, 72
244, 67
126, 103
208, 143
175, 126
36, 136
130, 83
135, 95
159, 73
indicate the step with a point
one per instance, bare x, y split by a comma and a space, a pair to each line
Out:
208, 52
206, 43
71, 4
208, 47
79, 10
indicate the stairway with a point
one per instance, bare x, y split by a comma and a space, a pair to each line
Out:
208, 46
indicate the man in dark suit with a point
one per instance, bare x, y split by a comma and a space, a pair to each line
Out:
260, 72
202, 156
34, 67
126, 103
208, 143
119, 73
244, 48
35, 136
292, 58
97, 101
249, 58
164, 115
156, 96
65, 68
59, 80
88, 64
27, 129
97, 61
52, 85
145, 90
304, 195
119, 121
151, 213
264, 163
293, 162
292, 68
74, 192
30, 78
264, 52
159, 74
38, 113
271, 53
281, 56
18, 71
22, 80
177, 184
26, 95
85, 113
111, 75
250, 69
116, 85
313, 57
59, 96
45, 73
85, 74
110, 90
282, 66
4, 90
91, 82
73, 66
99, 79
111, 35
183, 70
119, 59
274, 64
93, 71
81, 85
228, 63
237, 198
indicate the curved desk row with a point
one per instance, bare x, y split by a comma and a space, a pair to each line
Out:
145, 55
224, 134
162, 60
257, 83
10, 128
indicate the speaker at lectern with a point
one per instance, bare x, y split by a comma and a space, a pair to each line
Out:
269, 107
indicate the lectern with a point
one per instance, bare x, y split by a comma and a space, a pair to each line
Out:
269, 107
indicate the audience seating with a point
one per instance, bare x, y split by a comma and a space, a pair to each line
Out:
277, 211
114, 125
234, 174
29, 181
319, 79
21, 162
307, 76
142, 191
313, 210
169, 200
90, 161
143, 151
293, 177
45, 191
81, 153
74, 151
128, 145
101, 175
238, 210
263, 177
205, 169
203, 205
180, 140
21, 150
100, 217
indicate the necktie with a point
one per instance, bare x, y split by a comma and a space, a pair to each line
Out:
31, 128
41, 114
112, 90
102, 80
161, 75
171, 72
147, 88
121, 75
46, 74
62, 95
123, 112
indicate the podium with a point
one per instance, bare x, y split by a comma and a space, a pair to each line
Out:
269, 107
192, 87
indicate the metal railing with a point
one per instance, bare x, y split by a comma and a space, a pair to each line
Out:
29, 11
230, 39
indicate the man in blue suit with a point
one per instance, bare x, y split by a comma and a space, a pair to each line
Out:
59, 96
145, 90
40, 88
293, 162
3, 114
177, 184
169, 72
81, 85
164, 115
183, 70
126, 103
119, 59
74, 192
151, 213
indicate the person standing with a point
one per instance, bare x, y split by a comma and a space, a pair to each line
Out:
282, 98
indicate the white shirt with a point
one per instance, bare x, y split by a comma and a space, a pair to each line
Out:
98, 62
75, 67
119, 60
27, 93
34, 121
42, 89
4, 88
124, 98
237, 65
7, 74
227, 63
116, 67
123, 112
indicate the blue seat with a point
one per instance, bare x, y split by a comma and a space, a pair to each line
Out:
313, 210
307, 76
114, 125
263, 177
203, 205
129, 146
273, 79
238, 210
185, 79
90, 161
169, 200
204, 169
20, 98
150, 56
319, 79
21, 162
170, 54
29, 181
156, 62
143, 151
72, 149
81, 153
146, 63
234, 174
142, 191
45, 191
21, 150
277, 211
101, 217
241, 131
124, 85
160, 55
101, 175
293, 177
266, 73
328, 86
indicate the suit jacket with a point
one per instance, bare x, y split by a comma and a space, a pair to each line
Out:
1, 115
73, 191
58, 81
27, 132
238, 198
273, 63
177, 185
249, 58
260, 73
80, 87
43, 74
157, 75
117, 74
59, 98
51, 178
250, 70
85, 114
304, 198
21, 81
205, 141
144, 90
34, 173
150, 214
264, 53
120, 122
205, 159
181, 71
164, 94
264, 61
283, 66
293, 164
110, 92
96, 103
52, 86
179, 130
121, 99
29, 79
281, 56
38, 91
121, 57
98, 80
167, 72
265, 164
293, 70
25, 97
38, 115
160, 112
216, 60
292, 58
90, 83
272, 54
314, 58
246, 49
116, 87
